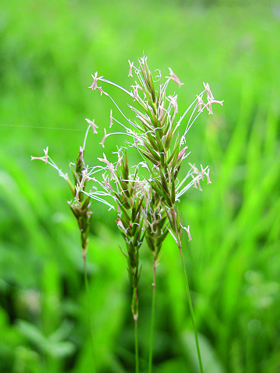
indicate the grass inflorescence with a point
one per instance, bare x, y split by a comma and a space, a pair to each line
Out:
146, 206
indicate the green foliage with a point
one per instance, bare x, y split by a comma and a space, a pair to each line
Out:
48, 51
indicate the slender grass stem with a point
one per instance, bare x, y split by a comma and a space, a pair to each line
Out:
152, 319
89, 313
187, 288
136, 346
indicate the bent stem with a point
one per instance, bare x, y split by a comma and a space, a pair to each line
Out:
89, 312
187, 288
152, 319
134, 308
136, 346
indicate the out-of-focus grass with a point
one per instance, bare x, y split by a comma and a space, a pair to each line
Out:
47, 52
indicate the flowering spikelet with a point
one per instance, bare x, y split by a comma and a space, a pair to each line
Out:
80, 206
156, 224
157, 137
127, 193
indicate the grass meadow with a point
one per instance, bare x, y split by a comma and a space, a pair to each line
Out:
48, 51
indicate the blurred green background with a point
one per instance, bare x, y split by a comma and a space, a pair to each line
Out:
48, 51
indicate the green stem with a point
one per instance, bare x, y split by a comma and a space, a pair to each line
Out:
152, 319
191, 309
136, 347
89, 312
